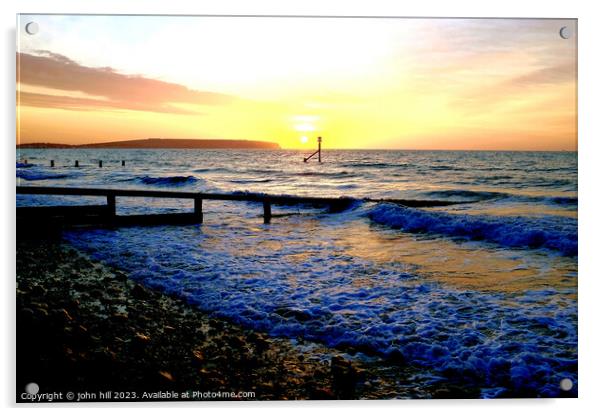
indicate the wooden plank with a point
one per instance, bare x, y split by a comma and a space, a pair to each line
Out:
248, 197
51, 190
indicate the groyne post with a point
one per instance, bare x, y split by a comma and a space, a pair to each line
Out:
123, 163
77, 163
320, 149
52, 163
198, 208
317, 152
267, 211
111, 206
100, 163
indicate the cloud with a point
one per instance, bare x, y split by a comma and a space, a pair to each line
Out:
532, 90
120, 91
86, 104
551, 75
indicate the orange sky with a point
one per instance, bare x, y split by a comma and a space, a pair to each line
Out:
359, 83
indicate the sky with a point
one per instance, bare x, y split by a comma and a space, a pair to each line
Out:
458, 84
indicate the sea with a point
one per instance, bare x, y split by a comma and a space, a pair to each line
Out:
482, 292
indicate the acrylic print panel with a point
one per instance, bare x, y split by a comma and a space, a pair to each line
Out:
262, 208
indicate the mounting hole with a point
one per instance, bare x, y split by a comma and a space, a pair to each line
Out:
566, 384
565, 32
32, 388
32, 28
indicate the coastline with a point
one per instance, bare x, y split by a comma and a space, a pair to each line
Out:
84, 327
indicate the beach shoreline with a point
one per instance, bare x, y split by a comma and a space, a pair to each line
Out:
87, 329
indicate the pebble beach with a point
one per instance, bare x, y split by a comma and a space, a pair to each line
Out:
88, 329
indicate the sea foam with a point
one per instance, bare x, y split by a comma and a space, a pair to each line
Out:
555, 233
279, 281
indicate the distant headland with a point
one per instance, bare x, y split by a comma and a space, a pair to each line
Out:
156, 143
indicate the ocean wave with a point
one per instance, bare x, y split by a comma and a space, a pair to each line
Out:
217, 170
497, 177
563, 200
40, 175
339, 174
555, 233
570, 169
550, 182
444, 167
237, 171
244, 181
24, 165
465, 195
499, 180
376, 165
262, 171
165, 180
347, 186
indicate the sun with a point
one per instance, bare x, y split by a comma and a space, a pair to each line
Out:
303, 139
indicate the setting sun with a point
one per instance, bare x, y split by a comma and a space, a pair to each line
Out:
373, 84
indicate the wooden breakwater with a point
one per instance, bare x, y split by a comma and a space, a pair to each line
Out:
38, 218
107, 213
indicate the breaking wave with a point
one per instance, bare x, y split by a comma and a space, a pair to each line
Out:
39, 175
555, 233
464, 195
165, 180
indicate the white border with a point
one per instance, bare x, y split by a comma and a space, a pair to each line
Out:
590, 134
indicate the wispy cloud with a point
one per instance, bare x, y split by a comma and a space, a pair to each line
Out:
87, 104
550, 75
49, 70
533, 90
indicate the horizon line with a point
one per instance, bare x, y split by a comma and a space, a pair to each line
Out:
299, 149
98, 145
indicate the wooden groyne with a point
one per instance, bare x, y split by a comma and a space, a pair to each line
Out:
35, 218
107, 213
